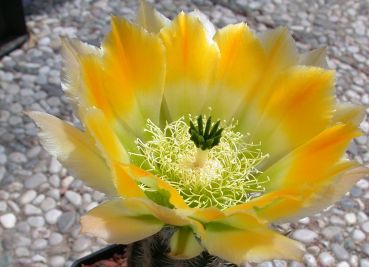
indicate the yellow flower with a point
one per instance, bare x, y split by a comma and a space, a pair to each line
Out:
281, 155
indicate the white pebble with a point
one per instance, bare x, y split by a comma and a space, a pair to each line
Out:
8, 220
305, 235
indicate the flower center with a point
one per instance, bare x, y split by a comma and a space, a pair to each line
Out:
209, 166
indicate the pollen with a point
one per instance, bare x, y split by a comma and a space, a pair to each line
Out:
228, 176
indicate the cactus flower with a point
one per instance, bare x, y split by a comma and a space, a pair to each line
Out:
216, 132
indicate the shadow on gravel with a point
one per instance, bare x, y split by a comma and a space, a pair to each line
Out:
34, 7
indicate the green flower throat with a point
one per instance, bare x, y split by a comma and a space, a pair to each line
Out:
209, 165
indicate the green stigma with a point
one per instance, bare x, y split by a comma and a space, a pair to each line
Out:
209, 165
208, 137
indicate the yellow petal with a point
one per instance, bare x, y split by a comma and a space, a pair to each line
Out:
311, 161
293, 203
150, 18
134, 63
243, 238
75, 150
299, 107
242, 61
105, 138
124, 182
328, 194
149, 179
349, 113
119, 221
316, 57
72, 50
184, 245
191, 58
280, 49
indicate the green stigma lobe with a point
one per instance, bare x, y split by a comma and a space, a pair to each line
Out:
205, 138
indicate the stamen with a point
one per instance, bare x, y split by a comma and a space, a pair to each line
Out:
223, 176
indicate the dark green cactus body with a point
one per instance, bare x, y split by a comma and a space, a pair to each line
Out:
153, 252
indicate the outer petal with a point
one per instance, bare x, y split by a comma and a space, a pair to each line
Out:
104, 136
349, 113
242, 61
248, 240
150, 18
76, 150
125, 183
184, 245
299, 107
119, 221
299, 180
191, 58
297, 202
308, 163
71, 73
134, 63
316, 57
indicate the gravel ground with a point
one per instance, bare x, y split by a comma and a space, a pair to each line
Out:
40, 204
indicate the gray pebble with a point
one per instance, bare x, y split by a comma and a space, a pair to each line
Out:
305, 235
35, 180
340, 252
66, 221
36, 221
74, 198
28, 196
55, 239
39, 244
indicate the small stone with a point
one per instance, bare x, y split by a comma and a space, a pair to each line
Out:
29, 209
52, 216
66, 221
337, 220
39, 258
27, 197
8, 220
350, 218
340, 252
363, 184
331, 232
38, 199
358, 235
81, 244
17, 157
365, 226
55, 239
48, 204
57, 261
305, 235
67, 181
3, 206
296, 264
310, 261
54, 181
36, 221
326, 259
265, 264
22, 252
365, 248
24, 227
35, 180
364, 263
280, 263
74, 198
343, 264
356, 192
14, 206
39, 244
54, 166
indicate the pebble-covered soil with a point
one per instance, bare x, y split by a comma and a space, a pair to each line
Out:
40, 203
